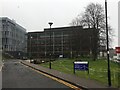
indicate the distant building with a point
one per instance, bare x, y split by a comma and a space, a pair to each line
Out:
13, 38
71, 42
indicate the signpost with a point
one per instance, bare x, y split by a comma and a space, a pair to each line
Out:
82, 66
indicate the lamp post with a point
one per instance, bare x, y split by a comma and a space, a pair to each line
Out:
109, 74
50, 23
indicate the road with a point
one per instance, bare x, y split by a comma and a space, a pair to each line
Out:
16, 75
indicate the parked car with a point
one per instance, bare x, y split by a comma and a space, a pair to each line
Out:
31, 61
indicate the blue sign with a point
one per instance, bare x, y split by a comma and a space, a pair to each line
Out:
83, 66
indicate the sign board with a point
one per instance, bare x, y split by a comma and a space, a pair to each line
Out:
81, 66
117, 49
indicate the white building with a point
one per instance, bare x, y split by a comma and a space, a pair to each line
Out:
13, 37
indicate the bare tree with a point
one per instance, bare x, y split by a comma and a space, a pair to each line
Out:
76, 21
94, 17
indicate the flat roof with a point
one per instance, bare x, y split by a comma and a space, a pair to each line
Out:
64, 27
12, 21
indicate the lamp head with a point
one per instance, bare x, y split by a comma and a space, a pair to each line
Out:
50, 23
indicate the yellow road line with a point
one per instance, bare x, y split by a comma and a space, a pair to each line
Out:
58, 80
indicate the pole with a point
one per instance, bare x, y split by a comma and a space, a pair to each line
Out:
30, 47
88, 68
73, 67
37, 47
109, 74
50, 23
50, 49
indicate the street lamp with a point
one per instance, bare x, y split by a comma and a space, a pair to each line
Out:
109, 74
50, 23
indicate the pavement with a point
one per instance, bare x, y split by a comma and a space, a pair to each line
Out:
83, 83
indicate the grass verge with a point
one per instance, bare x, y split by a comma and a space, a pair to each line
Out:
97, 70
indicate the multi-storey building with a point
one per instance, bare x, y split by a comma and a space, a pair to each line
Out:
13, 38
62, 42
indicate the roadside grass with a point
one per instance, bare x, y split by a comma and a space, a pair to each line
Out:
97, 70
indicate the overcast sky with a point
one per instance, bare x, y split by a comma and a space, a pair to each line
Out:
34, 15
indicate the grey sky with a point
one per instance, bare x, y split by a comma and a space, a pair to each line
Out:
34, 15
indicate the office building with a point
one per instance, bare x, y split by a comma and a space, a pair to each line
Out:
68, 42
13, 38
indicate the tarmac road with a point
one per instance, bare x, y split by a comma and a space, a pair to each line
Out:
16, 75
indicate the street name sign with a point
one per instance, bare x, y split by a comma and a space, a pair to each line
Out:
82, 66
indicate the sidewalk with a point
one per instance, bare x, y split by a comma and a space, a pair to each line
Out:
80, 82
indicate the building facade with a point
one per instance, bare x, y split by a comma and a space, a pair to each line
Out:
13, 38
71, 42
